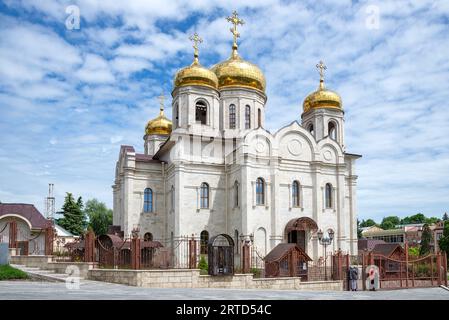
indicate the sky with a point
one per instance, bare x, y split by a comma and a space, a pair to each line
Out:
71, 94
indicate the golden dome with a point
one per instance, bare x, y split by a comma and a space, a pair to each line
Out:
195, 74
322, 98
160, 125
236, 72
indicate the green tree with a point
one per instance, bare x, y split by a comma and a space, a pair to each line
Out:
367, 223
390, 222
74, 219
417, 218
443, 243
100, 217
445, 217
426, 240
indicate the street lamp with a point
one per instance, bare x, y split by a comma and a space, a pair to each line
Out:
325, 242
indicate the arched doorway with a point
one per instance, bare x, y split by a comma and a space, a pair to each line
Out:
298, 229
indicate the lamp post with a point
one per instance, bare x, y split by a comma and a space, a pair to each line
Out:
325, 242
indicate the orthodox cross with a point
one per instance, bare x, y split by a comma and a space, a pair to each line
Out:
234, 19
321, 67
161, 101
195, 39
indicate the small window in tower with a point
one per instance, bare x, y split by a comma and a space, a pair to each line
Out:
310, 128
232, 116
259, 118
247, 117
201, 112
176, 116
332, 131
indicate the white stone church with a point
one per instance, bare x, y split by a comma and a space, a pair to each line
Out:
215, 169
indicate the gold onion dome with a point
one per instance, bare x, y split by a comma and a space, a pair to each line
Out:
236, 72
322, 98
195, 74
160, 125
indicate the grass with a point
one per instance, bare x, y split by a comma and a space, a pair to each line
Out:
9, 273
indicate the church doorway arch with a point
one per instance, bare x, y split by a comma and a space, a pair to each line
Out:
298, 231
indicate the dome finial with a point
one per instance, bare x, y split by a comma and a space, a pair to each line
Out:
161, 103
195, 39
321, 68
234, 19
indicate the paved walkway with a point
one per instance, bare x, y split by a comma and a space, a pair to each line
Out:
93, 290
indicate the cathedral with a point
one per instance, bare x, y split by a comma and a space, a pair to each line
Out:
214, 168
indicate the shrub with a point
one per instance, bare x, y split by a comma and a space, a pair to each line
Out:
9, 273
256, 272
202, 265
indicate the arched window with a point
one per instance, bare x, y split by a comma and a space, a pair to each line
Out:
332, 130
148, 200
232, 116
310, 128
204, 239
176, 124
259, 118
148, 236
295, 193
260, 191
204, 195
328, 195
236, 194
201, 112
247, 117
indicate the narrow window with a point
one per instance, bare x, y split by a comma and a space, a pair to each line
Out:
311, 129
172, 198
328, 195
204, 240
201, 112
236, 194
232, 116
332, 131
295, 193
259, 118
247, 117
176, 116
236, 237
204, 196
148, 200
260, 191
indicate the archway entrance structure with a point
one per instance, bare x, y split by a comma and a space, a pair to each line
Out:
298, 231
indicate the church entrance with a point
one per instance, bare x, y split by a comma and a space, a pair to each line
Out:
299, 230
298, 237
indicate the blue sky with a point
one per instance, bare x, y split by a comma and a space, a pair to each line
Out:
70, 98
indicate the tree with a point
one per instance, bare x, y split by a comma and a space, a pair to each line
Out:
426, 240
359, 231
390, 222
443, 243
417, 218
445, 217
367, 223
100, 217
74, 219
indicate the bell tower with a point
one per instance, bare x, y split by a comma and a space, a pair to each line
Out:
323, 115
